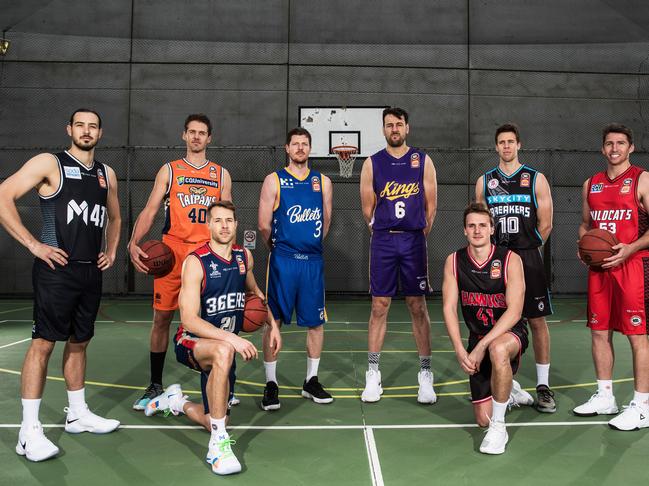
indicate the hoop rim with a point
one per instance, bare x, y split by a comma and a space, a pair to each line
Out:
351, 149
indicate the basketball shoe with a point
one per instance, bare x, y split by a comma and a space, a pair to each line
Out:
496, 439
545, 399
373, 389
598, 404
270, 401
86, 421
220, 455
518, 396
171, 400
633, 417
33, 444
313, 389
426, 393
153, 390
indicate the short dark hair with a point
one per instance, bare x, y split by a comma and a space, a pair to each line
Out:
199, 117
395, 111
84, 110
297, 131
479, 208
225, 204
508, 127
617, 128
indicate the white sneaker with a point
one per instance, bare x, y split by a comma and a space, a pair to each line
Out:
597, 405
426, 393
233, 402
518, 396
86, 421
373, 390
496, 438
33, 444
633, 417
171, 401
221, 457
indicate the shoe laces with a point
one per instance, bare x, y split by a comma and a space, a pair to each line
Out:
494, 424
168, 411
545, 393
152, 391
315, 385
225, 447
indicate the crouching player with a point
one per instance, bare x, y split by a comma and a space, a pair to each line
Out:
215, 279
489, 279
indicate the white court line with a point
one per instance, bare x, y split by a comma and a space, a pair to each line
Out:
15, 310
373, 457
328, 322
17, 342
335, 427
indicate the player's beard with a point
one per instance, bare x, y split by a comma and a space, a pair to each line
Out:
301, 161
85, 146
395, 143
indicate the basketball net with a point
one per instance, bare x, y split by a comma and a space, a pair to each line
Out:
346, 155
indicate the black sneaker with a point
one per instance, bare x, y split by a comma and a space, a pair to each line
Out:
313, 389
152, 391
545, 399
271, 397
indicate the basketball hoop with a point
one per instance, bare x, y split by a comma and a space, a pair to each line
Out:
346, 155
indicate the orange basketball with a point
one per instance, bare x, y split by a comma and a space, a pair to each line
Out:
160, 259
596, 245
255, 313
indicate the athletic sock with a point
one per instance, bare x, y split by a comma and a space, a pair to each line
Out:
31, 407
312, 367
498, 410
77, 400
217, 426
605, 388
641, 399
424, 363
270, 367
373, 361
543, 374
157, 365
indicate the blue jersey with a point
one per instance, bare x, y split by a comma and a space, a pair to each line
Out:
399, 188
298, 218
223, 293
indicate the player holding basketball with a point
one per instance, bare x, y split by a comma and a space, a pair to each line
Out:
399, 201
519, 200
489, 280
294, 218
187, 186
78, 198
215, 279
617, 200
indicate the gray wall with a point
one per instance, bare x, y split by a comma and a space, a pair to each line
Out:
561, 70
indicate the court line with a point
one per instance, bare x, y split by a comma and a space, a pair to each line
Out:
17, 342
105, 321
373, 457
15, 310
336, 427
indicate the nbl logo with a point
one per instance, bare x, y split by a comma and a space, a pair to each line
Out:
80, 210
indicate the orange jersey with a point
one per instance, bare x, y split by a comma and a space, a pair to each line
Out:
191, 191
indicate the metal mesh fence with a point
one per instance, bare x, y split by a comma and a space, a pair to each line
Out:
347, 246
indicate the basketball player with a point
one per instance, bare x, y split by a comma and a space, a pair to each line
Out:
399, 201
187, 186
489, 279
215, 279
294, 218
519, 200
617, 200
78, 198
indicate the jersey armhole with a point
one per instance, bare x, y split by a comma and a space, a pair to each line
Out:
107, 178
536, 205
58, 189
171, 178
506, 269
278, 195
204, 278
455, 266
636, 183
588, 185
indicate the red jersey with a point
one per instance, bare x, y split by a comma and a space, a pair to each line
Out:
191, 191
614, 205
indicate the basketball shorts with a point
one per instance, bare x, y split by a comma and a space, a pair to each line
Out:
618, 298
167, 288
184, 343
537, 295
398, 257
480, 382
66, 301
296, 284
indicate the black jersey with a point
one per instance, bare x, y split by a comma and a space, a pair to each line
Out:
482, 288
512, 202
74, 217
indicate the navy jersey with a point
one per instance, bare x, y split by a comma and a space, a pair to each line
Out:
482, 288
298, 218
223, 294
399, 188
75, 216
512, 202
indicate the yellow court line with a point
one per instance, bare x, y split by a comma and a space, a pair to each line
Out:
383, 351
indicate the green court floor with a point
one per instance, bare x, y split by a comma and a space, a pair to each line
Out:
395, 441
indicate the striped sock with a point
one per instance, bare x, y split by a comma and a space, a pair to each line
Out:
373, 361
424, 363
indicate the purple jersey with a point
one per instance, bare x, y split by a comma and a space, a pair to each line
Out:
399, 189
